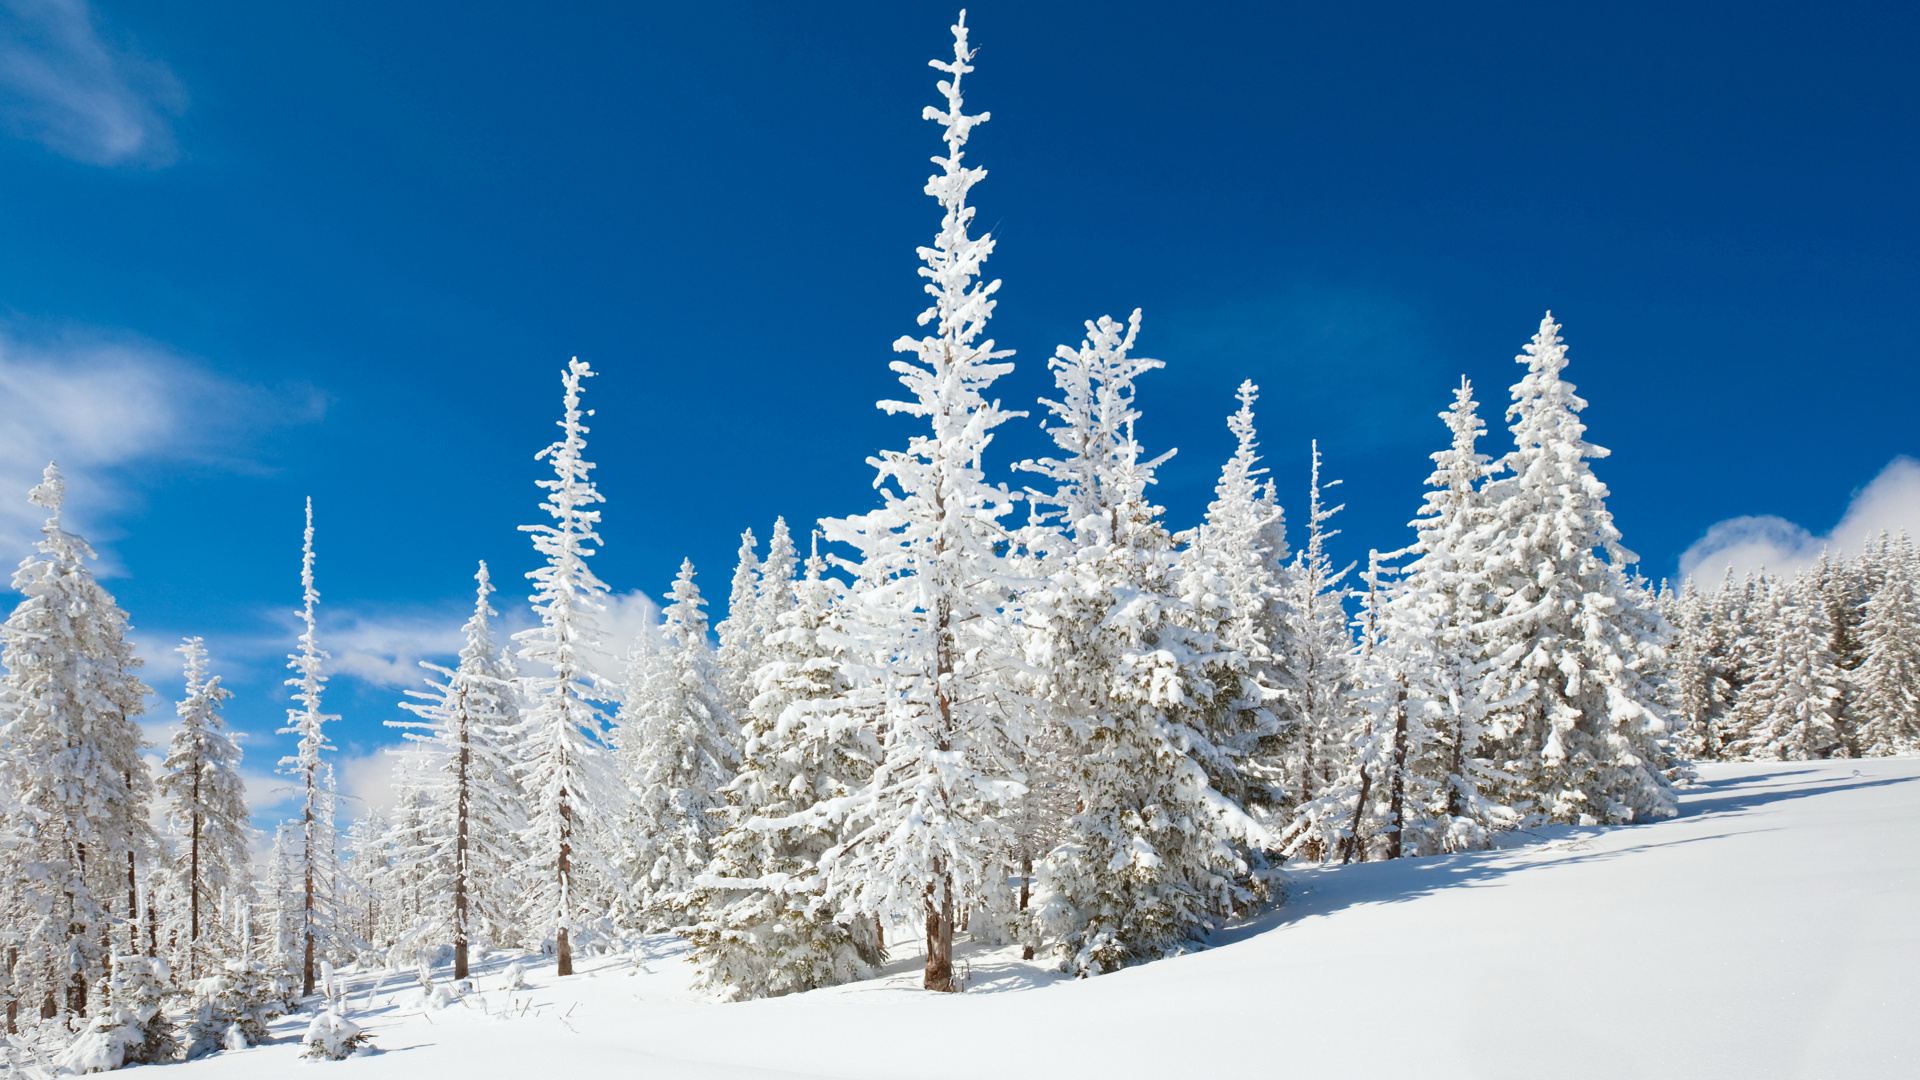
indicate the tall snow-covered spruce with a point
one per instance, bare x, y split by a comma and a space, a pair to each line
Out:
930, 592
468, 855
1153, 854
206, 806
1570, 638
305, 766
565, 772
678, 745
765, 928
75, 788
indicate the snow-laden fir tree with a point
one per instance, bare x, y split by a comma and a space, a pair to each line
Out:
305, 766
777, 592
678, 747
1432, 626
1418, 778
1319, 664
930, 595
1154, 854
1235, 590
765, 927
470, 801
1791, 711
1887, 699
76, 788
1569, 635
206, 807
1702, 656
740, 633
564, 769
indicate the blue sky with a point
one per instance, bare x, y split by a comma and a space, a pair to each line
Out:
250, 253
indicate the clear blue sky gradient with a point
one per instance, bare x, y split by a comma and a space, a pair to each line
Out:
421, 210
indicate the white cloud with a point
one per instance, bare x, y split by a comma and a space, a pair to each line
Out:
365, 782
1890, 503
64, 85
96, 403
386, 650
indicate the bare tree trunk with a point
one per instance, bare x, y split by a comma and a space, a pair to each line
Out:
193, 883
133, 908
939, 973
562, 949
460, 867
1398, 789
1359, 807
1026, 886
1454, 767
13, 992
306, 858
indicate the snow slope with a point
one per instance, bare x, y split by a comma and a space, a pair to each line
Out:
1770, 931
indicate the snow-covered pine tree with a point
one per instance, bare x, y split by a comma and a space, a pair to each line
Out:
1841, 586
1419, 753
76, 786
1569, 634
1232, 586
1697, 694
564, 770
765, 928
370, 913
1793, 706
931, 596
1319, 662
304, 765
471, 803
1154, 853
1887, 703
206, 805
740, 631
678, 747
777, 593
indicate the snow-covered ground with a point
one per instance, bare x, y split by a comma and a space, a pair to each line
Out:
1771, 931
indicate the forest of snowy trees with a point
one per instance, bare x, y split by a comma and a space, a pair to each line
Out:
1024, 708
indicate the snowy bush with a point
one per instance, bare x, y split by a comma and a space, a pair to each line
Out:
332, 1037
236, 1006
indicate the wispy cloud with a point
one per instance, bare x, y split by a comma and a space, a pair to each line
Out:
1890, 503
96, 402
64, 83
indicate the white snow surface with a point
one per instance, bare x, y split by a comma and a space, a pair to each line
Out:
1769, 931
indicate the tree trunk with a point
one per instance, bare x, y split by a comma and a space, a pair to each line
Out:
1398, 790
1454, 776
460, 867
306, 858
1359, 807
193, 883
13, 992
1026, 887
133, 908
939, 974
562, 949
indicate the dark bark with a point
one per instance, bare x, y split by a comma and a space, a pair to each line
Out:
306, 857
1026, 887
1397, 792
1359, 807
562, 949
460, 867
939, 973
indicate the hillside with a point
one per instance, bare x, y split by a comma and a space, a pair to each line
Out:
1767, 932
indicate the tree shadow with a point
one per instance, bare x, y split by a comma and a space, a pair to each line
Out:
1748, 792
1321, 890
